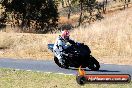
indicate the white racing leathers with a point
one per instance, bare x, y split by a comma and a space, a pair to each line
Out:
58, 48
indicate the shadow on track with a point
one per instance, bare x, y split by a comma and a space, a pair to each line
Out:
91, 70
107, 71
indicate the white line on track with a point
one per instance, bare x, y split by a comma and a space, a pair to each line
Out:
44, 72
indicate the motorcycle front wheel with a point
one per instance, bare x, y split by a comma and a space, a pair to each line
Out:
93, 64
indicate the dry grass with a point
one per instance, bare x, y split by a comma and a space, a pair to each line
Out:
110, 40
19, 45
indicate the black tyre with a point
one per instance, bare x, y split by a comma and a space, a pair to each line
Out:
93, 64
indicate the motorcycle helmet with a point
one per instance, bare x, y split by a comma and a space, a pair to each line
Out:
65, 34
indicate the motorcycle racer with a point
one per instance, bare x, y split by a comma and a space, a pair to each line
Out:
61, 45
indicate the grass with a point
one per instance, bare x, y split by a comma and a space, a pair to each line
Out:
109, 40
110, 37
10, 78
25, 45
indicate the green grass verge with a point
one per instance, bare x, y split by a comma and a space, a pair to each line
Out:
10, 78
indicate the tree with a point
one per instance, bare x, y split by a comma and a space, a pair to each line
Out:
43, 12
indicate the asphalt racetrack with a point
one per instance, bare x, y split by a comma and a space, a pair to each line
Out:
50, 66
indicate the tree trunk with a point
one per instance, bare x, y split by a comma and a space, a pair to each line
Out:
80, 18
104, 6
62, 2
69, 9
